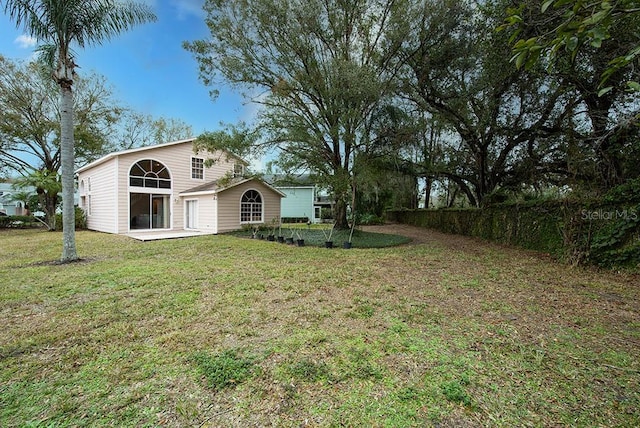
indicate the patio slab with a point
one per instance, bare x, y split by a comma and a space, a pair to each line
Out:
168, 234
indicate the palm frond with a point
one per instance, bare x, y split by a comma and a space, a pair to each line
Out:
47, 55
85, 22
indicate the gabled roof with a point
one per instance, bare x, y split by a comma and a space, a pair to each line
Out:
218, 186
125, 152
142, 149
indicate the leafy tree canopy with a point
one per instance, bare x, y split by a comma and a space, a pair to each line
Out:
565, 28
30, 118
318, 69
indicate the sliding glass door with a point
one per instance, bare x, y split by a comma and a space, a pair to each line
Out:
149, 211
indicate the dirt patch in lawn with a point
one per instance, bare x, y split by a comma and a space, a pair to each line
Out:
421, 235
418, 235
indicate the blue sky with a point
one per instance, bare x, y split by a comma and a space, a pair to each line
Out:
148, 68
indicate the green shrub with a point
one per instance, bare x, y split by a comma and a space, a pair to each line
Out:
369, 219
18, 222
81, 219
625, 193
251, 228
295, 219
617, 241
326, 214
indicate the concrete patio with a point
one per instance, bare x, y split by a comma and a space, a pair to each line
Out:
167, 234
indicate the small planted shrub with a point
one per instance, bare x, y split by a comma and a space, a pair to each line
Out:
224, 370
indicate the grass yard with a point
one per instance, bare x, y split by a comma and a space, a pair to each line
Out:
226, 331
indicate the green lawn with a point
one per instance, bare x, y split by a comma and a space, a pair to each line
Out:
228, 331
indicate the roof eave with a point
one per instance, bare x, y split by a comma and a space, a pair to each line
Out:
202, 193
128, 151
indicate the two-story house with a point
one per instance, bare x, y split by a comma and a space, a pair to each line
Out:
169, 187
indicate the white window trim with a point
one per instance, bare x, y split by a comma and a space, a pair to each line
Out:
195, 214
262, 205
192, 168
139, 189
239, 173
152, 191
87, 193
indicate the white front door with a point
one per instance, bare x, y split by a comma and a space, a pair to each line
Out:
191, 215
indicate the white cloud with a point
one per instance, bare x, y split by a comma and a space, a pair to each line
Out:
25, 41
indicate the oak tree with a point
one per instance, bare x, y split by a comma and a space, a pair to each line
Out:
318, 69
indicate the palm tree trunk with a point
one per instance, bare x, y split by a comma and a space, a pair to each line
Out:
69, 253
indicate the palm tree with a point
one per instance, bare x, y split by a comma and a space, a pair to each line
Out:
59, 25
47, 186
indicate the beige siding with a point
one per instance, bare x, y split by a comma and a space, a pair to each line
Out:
229, 205
123, 196
272, 203
207, 211
103, 196
110, 190
177, 158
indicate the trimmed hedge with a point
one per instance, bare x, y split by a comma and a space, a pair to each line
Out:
23, 222
287, 220
603, 234
18, 222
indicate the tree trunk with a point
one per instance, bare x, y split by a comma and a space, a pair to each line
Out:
50, 203
427, 192
69, 253
598, 112
340, 214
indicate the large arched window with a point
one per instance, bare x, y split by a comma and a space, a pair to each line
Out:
149, 195
151, 174
251, 207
